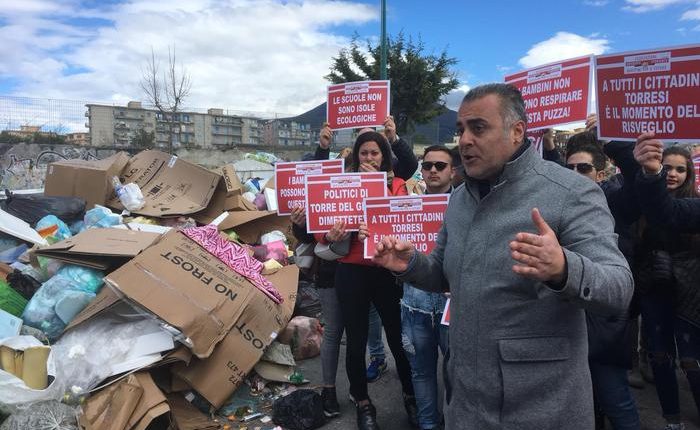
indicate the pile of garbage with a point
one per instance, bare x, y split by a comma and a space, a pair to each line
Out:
147, 292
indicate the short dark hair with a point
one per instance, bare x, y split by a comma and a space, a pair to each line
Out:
512, 104
584, 138
687, 188
442, 148
599, 158
372, 136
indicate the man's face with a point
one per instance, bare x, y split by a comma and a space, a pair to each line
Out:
484, 145
436, 180
582, 162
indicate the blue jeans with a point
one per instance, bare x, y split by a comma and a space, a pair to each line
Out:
375, 344
422, 335
665, 332
612, 395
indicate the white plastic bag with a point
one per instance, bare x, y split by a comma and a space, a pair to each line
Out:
14, 393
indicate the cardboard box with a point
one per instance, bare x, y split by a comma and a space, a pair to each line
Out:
132, 403
250, 225
228, 196
187, 287
89, 180
218, 376
170, 186
100, 248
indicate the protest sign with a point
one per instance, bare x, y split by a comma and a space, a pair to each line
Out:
357, 104
290, 180
416, 219
555, 94
340, 197
446, 314
536, 138
649, 91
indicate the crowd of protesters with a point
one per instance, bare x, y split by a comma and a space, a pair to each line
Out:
550, 264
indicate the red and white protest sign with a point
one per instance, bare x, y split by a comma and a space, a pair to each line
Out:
536, 138
696, 164
340, 197
357, 104
555, 94
446, 313
290, 180
416, 219
649, 91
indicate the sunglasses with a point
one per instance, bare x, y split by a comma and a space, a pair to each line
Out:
439, 165
584, 168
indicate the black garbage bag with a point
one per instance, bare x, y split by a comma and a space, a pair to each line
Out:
25, 285
30, 208
300, 410
308, 302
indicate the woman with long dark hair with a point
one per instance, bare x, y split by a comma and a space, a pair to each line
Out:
669, 311
359, 282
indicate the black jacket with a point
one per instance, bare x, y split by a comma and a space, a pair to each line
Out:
661, 208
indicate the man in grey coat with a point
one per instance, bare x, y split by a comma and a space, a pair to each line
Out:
525, 247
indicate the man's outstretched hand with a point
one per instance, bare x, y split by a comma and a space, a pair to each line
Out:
394, 254
539, 256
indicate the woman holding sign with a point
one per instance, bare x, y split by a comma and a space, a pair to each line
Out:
359, 282
670, 267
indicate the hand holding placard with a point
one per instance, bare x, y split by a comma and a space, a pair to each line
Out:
325, 136
649, 152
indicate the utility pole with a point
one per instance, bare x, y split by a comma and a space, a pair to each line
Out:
382, 63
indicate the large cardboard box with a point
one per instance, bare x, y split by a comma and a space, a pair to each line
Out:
219, 375
228, 196
170, 185
89, 180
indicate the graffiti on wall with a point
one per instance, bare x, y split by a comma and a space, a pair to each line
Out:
23, 166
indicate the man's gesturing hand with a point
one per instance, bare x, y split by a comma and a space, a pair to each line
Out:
394, 254
539, 256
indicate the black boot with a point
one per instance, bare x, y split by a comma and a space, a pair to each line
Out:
409, 402
331, 408
367, 417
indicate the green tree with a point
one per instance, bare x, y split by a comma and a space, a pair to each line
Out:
144, 139
418, 80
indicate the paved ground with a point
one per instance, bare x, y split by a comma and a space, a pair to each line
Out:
386, 395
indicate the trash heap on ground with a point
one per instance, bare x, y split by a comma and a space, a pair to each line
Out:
147, 292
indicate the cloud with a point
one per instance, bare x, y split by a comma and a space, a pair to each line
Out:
641, 6
254, 55
595, 3
691, 15
561, 46
454, 98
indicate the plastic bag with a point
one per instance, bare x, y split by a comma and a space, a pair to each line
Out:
300, 410
23, 283
53, 229
86, 354
50, 415
101, 217
30, 208
10, 300
304, 335
14, 393
253, 185
129, 194
61, 298
272, 236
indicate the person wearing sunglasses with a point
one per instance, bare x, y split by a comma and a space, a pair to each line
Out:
610, 340
421, 311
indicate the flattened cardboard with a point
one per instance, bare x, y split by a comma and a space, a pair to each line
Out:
170, 186
187, 287
218, 376
100, 248
89, 180
250, 225
105, 299
132, 403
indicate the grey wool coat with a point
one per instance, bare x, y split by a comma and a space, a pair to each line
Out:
518, 349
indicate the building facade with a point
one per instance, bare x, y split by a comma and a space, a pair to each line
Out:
124, 126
